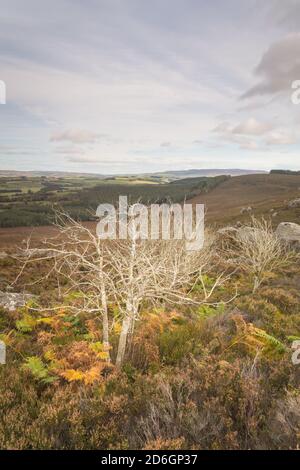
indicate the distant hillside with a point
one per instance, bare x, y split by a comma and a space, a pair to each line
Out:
224, 198
194, 173
176, 174
284, 172
29, 201
264, 193
48, 174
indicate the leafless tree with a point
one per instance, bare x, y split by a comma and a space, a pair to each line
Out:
127, 273
156, 272
258, 251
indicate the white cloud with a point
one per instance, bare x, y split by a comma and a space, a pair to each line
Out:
223, 128
250, 126
76, 136
254, 135
249, 145
280, 138
69, 150
165, 144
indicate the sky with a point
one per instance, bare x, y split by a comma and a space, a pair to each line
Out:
131, 86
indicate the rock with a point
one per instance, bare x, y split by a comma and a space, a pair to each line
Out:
289, 233
246, 210
12, 300
227, 231
294, 203
274, 214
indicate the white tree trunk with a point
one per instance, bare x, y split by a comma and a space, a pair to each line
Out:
123, 341
126, 331
105, 326
131, 308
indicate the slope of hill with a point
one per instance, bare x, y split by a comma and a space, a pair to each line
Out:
262, 192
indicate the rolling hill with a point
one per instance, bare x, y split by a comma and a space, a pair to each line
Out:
262, 192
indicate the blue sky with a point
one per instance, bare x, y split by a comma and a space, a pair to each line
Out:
122, 86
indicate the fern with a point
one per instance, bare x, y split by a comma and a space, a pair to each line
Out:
88, 377
270, 341
26, 324
38, 369
207, 311
7, 338
255, 338
293, 338
98, 349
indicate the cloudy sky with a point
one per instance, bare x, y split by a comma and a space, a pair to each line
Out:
112, 86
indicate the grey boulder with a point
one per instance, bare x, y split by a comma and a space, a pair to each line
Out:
12, 300
289, 233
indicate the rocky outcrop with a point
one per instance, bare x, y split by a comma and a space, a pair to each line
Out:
246, 210
289, 233
12, 300
295, 203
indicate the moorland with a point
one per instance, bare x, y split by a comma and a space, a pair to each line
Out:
207, 362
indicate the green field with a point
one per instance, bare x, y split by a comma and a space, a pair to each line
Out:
29, 201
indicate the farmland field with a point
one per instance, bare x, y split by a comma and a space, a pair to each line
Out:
223, 200
29, 201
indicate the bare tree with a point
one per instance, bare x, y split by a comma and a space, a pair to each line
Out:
157, 272
127, 273
259, 251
